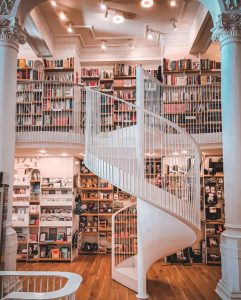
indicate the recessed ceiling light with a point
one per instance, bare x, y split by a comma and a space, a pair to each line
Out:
173, 3
118, 17
53, 3
103, 45
103, 5
42, 151
184, 152
150, 35
62, 16
69, 28
64, 154
175, 153
146, 3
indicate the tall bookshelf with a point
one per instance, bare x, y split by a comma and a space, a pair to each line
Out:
43, 216
99, 200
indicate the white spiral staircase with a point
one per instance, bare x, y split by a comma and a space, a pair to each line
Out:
168, 205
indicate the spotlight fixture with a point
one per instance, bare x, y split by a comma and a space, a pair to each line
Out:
106, 14
103, 45
62, 16
173, 3
150, 35
174, 25
103, 5
131, 44
53, 3
147, 3
118, 17
69, 28
42, 151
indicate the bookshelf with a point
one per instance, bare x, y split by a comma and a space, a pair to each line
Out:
98, 201
213, 208
43, 216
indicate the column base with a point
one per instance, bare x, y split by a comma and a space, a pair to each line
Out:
229, 286
224, 293
10, 249
145, 296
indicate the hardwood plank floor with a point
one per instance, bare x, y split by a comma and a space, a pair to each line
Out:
175, 282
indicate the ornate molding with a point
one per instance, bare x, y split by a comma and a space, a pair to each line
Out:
233, 4
6, 7
228, 25
11, 30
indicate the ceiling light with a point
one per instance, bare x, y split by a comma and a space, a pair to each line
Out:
69, 28
150, 35
146, 3
184, 152
175, 153
174, 25
106, 14
103, 5
53, 3
131, 44
118, 17
173, 3
103, 45
64, 154
62, 16
42, 151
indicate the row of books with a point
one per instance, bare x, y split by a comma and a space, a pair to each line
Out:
124, 117
124, 70
205, 95
59, 63
56, 121
191, 79
206, 108
29, 74
60, 91
189, 64
66, 77
90, 72
24, 63
57, 105
125, 82
106, 75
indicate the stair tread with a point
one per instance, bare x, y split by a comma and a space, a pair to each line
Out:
130, 272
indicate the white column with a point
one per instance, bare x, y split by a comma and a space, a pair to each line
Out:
10, 36
228, 32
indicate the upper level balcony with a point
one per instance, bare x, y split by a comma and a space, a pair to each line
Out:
53, 112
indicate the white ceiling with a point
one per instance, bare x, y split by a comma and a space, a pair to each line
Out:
90, 26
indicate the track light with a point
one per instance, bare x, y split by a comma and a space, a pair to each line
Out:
146, 3
103, 5
53, 3
150, 35
103, 45
69, 28
62, 16
174, 25
106, 14
173, 3
118, 17
131, 44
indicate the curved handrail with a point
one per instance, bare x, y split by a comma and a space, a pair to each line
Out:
116, 152
70, 287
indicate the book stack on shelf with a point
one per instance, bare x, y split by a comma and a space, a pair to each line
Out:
189, 72
106, 81
213, 207
194, 111
25, 70
90, 76
60, 70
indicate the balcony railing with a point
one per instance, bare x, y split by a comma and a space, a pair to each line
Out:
39, 285
50, 111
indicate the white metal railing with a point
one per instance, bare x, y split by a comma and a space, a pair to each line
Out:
195, 108
124, 235
118, 150
39, 285
50, 111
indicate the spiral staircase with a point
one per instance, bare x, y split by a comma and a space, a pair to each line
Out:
168, 205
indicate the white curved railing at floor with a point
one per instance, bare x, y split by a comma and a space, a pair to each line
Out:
195, 108
39, 285
124, 235
117, 151
50, 111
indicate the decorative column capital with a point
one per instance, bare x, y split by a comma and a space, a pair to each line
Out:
11, 30
228, 25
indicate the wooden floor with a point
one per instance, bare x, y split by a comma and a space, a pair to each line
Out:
176, 282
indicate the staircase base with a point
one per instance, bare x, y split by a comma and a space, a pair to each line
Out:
225, 294
142, 296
